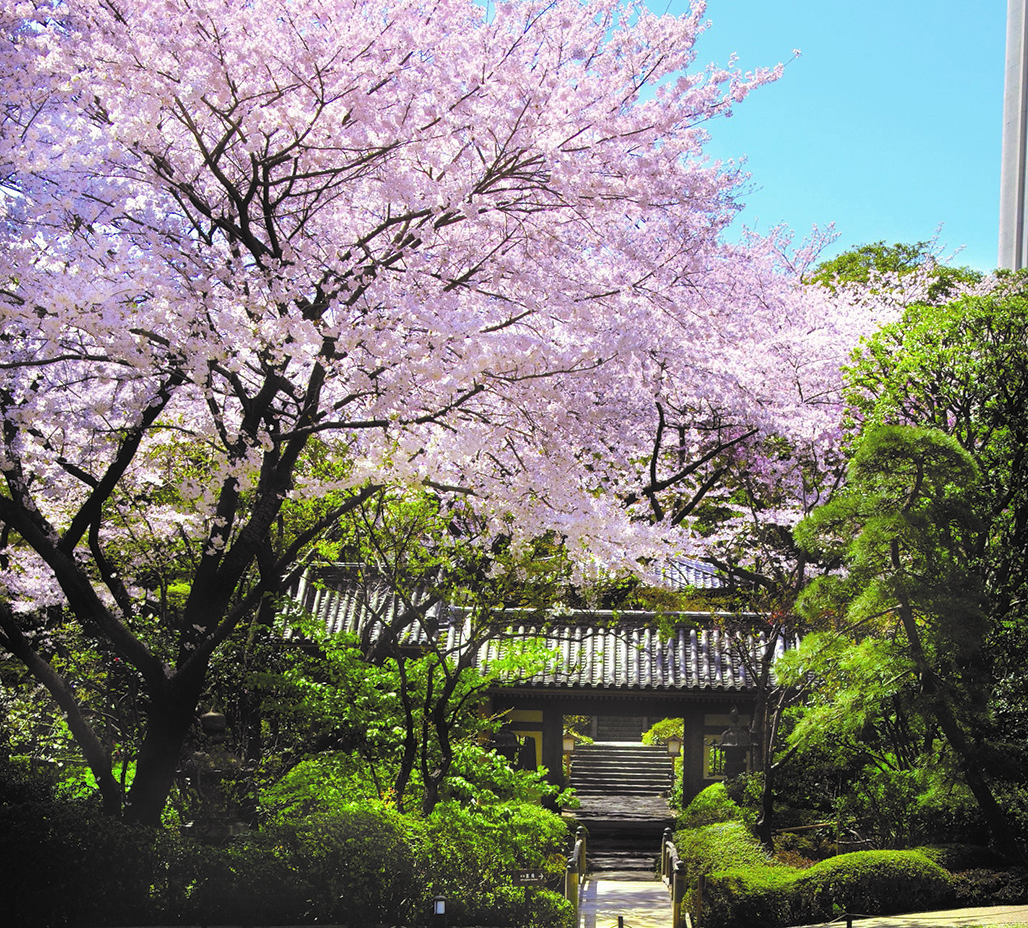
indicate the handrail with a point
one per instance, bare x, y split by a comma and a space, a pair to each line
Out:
672, 873
575, 869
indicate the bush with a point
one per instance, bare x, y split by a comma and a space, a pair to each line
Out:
980, 875
355, 866
709, 807
467, 854
66, 863
872, 883
250, 881
864, 883
902, 808
957, 857
740, 898
725, 846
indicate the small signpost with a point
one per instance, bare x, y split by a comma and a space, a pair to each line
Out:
528, 877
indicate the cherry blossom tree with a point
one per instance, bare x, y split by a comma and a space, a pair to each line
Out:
475, 248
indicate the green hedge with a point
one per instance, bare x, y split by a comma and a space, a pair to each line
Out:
711, 806
873, 883
747, 897
66, 864
725, 846
353, 867
864, 883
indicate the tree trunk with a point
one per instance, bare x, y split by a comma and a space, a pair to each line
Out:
169, 719
765, 823
934, 688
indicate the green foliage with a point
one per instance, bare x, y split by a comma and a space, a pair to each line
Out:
859, 683
482, 777
467, 854
864, 883
980, 875
723, 846
962, 368
913, 611
742, 897
365, 864
355, 866
957, 857
659, 732
871, 883
879, 265
710, 807
66, 863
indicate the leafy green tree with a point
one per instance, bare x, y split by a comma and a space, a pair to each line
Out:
906, 530
879, 265
962, 368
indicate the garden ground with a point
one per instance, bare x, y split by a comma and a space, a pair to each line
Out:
1012, 916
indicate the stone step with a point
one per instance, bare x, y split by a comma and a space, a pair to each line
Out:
661, 778
656, 770
621, 769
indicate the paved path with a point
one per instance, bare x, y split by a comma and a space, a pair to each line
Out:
641, 903
952, 918
646, 904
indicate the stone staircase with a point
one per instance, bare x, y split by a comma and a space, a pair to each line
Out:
621, 788
615, 768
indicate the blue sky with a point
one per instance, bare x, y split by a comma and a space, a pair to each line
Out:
888, 125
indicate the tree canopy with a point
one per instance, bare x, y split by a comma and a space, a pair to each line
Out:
261, 258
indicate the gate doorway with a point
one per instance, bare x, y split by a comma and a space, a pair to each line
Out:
628, 728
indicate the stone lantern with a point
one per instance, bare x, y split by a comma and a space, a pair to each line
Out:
735, 746
209, 777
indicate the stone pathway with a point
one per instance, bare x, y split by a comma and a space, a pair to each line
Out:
952, 918
623, 809
640, 903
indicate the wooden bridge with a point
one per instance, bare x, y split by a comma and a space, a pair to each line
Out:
626, 899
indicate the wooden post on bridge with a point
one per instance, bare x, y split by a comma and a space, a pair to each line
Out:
571, 884
678, 895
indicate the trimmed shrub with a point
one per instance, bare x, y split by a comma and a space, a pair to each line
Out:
871, 883
725, 846
354, 866
467, 855
957, 857
520, 906
741, 898
709, 807
980, 875
978, 887
864, 882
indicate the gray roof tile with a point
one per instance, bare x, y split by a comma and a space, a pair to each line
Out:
601, 650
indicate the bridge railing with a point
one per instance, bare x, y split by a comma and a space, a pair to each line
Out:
672, 872
575, 869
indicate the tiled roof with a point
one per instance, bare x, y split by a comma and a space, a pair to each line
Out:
591, 650
682, 574
634, 656
344, 602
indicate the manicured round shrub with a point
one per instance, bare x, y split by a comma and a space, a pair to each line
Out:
725, 846
709, 807
957, 857
740, 898
871, 883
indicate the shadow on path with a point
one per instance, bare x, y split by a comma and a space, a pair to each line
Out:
641, 903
